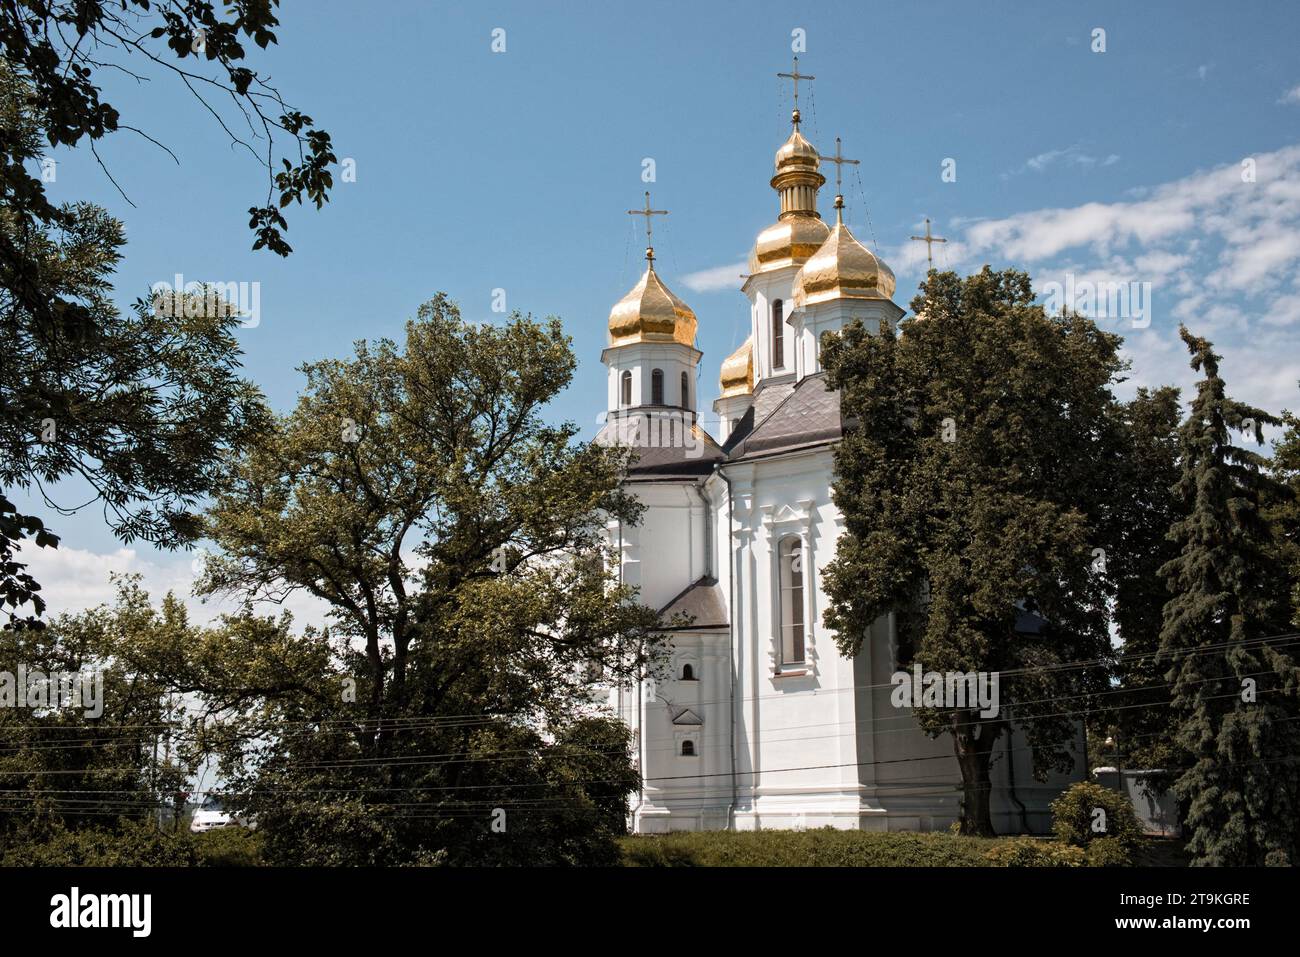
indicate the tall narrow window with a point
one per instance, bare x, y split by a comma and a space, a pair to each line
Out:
790, 556
778, 334
686, 392
657, 387
627, 388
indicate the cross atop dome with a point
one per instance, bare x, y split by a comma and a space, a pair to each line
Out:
796, 76
839, 160
647, 212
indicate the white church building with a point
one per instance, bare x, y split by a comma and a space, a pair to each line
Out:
763, 724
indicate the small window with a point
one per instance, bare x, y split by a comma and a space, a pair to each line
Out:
686, 392
688, 673
688, 749
627, 388
792, 634
778, 334
657, 387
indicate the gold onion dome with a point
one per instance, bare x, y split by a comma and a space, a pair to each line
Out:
799, 231
797, 151
738, 371
651, 313
842, 269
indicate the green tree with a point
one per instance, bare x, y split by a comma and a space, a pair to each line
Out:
974, 487
63, 48
1283, 514
457, 541
135, 410
94, 760
1233, 684
1135, 715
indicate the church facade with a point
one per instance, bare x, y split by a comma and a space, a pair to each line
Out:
762, 723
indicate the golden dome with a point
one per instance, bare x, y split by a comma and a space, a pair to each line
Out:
738, 371
651, 313
842, 269
797, 151
799, 230
787, 242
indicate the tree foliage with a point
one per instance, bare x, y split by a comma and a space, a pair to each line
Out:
973, 487
134, 410
457, 541
62, 49
1234, 683
1134, 716
67, 769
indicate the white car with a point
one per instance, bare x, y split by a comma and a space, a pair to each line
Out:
210, 816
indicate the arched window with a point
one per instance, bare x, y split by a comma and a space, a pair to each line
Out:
778, 334
627, 388
790, 557
686, 392
688, 673
688, 749
657, 387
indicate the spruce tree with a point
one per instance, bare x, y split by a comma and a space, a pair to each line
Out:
1233, 681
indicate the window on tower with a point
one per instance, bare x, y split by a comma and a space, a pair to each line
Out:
626, 380
688, 749
790, 559
657, 387
778, 334
686, 392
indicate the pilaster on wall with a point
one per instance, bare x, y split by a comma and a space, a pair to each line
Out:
744, 652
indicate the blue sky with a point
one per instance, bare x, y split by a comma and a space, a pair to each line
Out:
478, 170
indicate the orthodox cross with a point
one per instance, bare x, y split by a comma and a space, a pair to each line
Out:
839, 160
647, 213
929, 241
796, 76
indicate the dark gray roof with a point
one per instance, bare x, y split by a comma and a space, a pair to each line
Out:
662, 453
740, 430
703, 603
770, 393
808, 415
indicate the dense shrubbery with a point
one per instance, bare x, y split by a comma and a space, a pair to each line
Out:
832, 848
228, 847
1030, 852
130, 844
824, 847
133, 844
1075, 818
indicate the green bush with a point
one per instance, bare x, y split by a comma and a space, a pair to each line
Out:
130, 844
1031, 852
228, 847
824, 847
1074, 817
1108, 852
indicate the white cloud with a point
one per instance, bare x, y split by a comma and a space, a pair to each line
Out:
74, 580
1070, 156
1290, 96
719, 277
1222, 256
